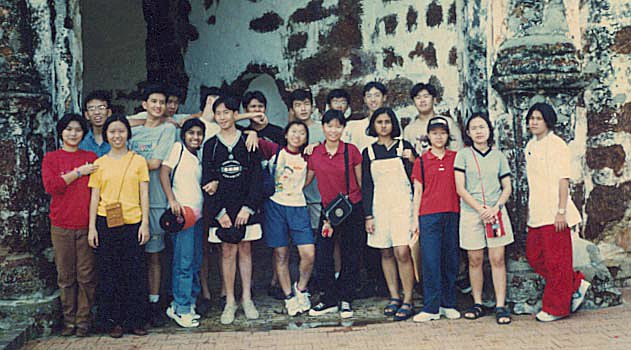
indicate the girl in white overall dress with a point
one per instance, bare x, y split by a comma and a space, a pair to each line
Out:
389, 208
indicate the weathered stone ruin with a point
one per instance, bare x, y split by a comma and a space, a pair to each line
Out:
498, 56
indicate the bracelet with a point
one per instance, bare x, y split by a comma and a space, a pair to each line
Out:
370, 217
78, 173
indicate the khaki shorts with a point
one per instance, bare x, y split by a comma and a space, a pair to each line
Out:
473, 232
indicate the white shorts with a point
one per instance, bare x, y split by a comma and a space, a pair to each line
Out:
473, 232
252, 233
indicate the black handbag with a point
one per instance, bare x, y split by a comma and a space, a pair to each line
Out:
169, 222
232, 234
340, 207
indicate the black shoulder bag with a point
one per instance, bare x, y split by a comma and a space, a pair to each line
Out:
341, 207
169, 222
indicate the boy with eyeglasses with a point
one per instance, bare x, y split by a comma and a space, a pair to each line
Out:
96, 109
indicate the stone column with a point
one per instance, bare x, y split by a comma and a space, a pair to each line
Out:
539, 63
30, 98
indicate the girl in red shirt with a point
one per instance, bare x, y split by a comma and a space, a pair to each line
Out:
438, 206
63, 175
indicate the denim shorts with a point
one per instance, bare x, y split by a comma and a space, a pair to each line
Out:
156, 240
281, 221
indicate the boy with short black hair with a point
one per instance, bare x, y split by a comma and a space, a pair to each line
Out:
153, 141
424, 97
340, 100
174, 96
255, 102
96, 109
231, 179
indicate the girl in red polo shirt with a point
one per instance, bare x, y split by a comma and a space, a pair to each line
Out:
327, 164
436, 201
63, 175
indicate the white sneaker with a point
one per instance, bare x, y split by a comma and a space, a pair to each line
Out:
425, 316
579, 296
322, 309
345, 310
227, 316
184, 320
450, 313
196, 316
303, 298
250, 310
543, 316
293, 306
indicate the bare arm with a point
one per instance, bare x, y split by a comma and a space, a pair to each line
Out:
309, 178
418, 195
143, 231
154, 164
93, 235
165, 181
560, 220
358, 175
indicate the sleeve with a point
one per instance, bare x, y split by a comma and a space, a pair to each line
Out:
138, 116
367, 184
95, 177
268, 148
353, 155
179, 117
174, 155
255, 191
54, 184
504, 166
279, 135
143, 169
406, 163
460, 164
561, 160
165, 143
209, 170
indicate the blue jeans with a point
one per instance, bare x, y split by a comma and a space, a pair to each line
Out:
187, 260
440, 254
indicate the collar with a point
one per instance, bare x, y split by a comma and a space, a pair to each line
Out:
234, 143
545, 138
483, 154
289, 151
432, 156
340, 148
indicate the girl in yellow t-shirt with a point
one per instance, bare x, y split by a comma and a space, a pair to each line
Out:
122, 177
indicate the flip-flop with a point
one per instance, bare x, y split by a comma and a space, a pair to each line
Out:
392, 307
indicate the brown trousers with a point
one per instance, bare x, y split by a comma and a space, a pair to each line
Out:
76, 274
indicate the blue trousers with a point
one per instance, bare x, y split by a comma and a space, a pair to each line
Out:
440, 255
187, 260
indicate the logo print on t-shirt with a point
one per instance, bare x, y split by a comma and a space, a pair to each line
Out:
231, 169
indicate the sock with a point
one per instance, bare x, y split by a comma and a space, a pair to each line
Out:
337, 275
154, 298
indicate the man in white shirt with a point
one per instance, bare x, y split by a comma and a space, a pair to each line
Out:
551, 214
424, 97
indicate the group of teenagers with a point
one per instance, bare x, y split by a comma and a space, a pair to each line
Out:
332, 188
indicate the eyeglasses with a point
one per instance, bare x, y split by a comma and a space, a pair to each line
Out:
97, 108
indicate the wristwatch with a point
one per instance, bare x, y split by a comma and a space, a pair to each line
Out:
561, 211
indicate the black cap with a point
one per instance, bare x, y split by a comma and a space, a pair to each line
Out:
438, 122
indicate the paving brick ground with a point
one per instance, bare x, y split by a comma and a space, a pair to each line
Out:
593, 329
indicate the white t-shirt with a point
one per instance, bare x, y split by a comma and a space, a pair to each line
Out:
291, 172
547, 162
355, 133
186, 181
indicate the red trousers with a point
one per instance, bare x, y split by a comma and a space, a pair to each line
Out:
550, 255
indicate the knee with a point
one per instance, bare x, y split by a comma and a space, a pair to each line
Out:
402, 255
475, 261
497, 261
245, 247
229, 251
282, 258
307, 257
387, 254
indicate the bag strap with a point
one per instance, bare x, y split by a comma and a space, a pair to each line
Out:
276, 161
400, 149
120, 189
177, 164
422, 172
371, 152
346, 171
479, 175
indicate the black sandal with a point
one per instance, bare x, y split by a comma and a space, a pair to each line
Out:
502, 313
405, 311
392, 307
474, 312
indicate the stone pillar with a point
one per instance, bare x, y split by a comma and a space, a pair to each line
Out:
30, 98
539, 63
